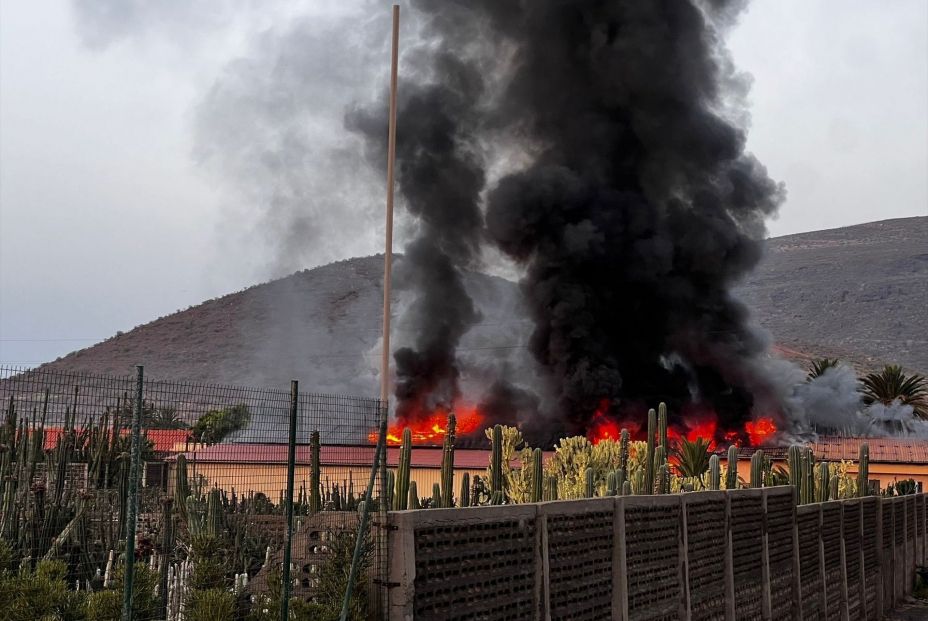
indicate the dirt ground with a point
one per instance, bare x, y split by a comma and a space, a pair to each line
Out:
913, 610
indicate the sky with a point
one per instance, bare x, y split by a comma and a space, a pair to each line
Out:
154, 155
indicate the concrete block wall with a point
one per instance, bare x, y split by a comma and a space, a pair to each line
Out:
727, 556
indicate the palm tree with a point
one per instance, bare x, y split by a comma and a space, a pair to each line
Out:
818, 367
164, 418
693, 457
892, 384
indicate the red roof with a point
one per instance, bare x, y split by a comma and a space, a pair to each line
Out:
163, 439
422, 457
833, 448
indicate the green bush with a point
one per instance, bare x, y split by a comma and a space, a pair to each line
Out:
210, 605
42, 594
215, 425
107, 605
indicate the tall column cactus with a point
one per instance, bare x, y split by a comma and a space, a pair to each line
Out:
662, 428
863, 470
496, 464
551, 488
623, 450
464, 497
413, 500
731, 477
649, 467
823, 482
658, 467
537, 476
588, 490
402, 496
181, 486
436, 496
715, 473
757, 469
315, 501
447, 463
214, 514
794, 462
611, 488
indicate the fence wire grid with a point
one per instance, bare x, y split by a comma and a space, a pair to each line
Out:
212, 499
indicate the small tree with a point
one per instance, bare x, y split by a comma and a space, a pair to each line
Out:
693, 457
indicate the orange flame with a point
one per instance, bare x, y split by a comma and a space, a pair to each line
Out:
760, 431
431, 429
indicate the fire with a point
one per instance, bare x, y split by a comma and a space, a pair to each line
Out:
431, 428
760, 431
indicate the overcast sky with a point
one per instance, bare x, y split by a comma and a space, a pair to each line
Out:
153, 155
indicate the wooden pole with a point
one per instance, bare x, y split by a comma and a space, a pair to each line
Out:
388, 249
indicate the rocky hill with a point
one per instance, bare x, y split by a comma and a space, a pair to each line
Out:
859, 293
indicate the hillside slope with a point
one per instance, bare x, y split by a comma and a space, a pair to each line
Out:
859, 293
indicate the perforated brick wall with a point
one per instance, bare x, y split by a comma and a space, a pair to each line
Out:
780, 547
810, 561
747, 543
707, 543
873, 580
655, 558
831, 542
579, 555
482, 570
852, 558
888, 574
652, 558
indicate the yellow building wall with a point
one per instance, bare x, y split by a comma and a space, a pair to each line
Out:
883, 472
271, 479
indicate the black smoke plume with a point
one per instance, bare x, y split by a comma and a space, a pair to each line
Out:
639, 207
440, 177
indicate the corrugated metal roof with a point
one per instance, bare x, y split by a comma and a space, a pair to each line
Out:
832, 448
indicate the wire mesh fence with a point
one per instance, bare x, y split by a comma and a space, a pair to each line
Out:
212, 498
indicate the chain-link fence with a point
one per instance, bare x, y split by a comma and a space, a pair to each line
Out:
214, 515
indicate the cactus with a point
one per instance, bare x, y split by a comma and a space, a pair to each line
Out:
649, 467
863, 471
627, 488
537, 476
794, 460
413, 500
715, 473
757, 468
611, 484
315, 484
658, 464
662, 427
588, 480
620, 480
623, 450
731, 477
464, 498
496, 464
551, 488
436, 496
389, 501
213, 514
447, 463
402, 496
833, 487
664, 480
181, 486
808, 478
496, 498
823, 482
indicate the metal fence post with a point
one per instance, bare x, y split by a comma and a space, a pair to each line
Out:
286, 585
132, 511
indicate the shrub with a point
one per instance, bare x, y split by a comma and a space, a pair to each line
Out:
107, 605
210, 605
215, 425
42, 594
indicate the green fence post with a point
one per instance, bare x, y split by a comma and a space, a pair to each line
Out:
132, 510
291, 466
